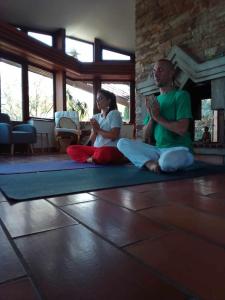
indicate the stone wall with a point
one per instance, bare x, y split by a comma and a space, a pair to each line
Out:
197, 26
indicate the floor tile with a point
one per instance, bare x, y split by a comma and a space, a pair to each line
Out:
18, 290
71, 199
33, 216
83, 266
191, 262
145, 187
129, 199
115, 224
206, 189
200, 223
204, 203
10, 266
165, 185
188, 198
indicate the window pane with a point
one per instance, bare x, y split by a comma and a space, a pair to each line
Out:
122, 92
11, 89
44, 38
209, 119
40, 93
111, 55
79, 96
80, 50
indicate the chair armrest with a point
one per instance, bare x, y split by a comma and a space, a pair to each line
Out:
5, 133
25, 127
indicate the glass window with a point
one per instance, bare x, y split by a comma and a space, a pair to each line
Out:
81, 50
209, 118
40, 93
111, 55
79, 97
122, 92
11, 89
44, 38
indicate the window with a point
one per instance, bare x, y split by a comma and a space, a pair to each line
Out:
11, 89
209, 118
83, 51
112, 55
79, 97
40, 93
44, 38
122, 92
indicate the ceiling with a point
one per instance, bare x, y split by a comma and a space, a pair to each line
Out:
112, 21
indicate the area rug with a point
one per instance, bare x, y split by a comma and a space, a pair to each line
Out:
56, 183
43, 166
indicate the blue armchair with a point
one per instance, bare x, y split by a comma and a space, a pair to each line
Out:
19, 134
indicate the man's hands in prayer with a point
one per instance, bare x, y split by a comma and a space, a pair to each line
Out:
153, 107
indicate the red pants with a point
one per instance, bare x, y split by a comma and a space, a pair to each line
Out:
100, 155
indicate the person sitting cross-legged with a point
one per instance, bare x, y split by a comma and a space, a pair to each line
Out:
168, 121
104, 135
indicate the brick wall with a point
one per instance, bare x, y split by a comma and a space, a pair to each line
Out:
198, 26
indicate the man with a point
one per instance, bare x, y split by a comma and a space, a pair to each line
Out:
169, 117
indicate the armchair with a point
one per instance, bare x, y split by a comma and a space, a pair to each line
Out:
19, 134
67, 126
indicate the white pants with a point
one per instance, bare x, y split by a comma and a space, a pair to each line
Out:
169, 159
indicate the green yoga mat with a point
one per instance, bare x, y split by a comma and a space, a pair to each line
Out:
48, 184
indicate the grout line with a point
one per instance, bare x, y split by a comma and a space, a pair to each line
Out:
21, 259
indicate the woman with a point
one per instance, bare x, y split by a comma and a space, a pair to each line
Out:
104, 135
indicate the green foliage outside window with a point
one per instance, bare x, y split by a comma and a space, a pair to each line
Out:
76, 105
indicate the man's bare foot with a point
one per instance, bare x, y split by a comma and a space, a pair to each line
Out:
89, 159
153, 166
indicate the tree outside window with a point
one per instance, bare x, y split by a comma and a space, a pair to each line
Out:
40, 93
79, 97
11, 89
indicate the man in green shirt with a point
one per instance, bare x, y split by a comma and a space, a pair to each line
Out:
168, 121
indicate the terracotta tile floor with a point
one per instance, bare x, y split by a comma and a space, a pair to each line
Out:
154, 241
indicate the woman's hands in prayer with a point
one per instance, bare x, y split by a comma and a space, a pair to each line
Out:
95, 125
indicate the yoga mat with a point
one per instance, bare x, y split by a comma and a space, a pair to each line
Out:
43, 166
55, 183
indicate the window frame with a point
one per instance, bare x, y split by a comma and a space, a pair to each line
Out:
82, 41
52, 67
42, 70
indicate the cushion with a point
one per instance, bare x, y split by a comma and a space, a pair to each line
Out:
67, 123
73, 115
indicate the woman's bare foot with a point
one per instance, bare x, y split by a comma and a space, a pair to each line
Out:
153, 166
89, 159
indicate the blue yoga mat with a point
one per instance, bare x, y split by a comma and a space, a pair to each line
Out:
55, 183
43, 166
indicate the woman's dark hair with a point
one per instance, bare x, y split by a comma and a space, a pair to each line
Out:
111, 97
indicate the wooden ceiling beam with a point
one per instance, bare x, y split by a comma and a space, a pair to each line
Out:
24, 47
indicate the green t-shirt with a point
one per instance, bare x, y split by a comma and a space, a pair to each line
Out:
174, 106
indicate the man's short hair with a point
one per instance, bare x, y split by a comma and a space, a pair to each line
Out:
167, 61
